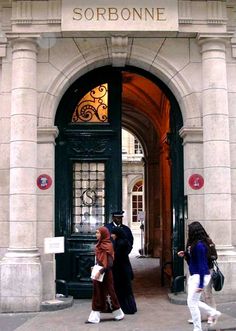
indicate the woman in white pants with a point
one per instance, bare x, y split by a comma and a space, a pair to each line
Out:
197, 258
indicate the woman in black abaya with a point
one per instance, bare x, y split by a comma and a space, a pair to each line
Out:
122, 272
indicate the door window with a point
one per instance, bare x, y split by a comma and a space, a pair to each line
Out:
88, 196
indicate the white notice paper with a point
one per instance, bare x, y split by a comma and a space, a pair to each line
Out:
54, 245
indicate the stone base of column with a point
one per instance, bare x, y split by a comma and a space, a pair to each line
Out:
21, 281
227, 264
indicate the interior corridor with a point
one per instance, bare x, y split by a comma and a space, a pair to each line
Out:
147, 277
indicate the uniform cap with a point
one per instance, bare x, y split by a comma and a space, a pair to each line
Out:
118, 213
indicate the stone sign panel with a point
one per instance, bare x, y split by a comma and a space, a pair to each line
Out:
119, 15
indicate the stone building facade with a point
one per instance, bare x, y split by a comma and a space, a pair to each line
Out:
45, 46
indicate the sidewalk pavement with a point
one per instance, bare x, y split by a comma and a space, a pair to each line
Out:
157, 309
155, 313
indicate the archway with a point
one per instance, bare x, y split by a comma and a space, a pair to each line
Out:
150, 111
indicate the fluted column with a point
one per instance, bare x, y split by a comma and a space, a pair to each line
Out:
21, 264
216, 148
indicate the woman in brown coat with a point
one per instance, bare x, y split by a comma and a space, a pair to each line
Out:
103, 292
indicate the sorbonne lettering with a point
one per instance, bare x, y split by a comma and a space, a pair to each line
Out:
115, 14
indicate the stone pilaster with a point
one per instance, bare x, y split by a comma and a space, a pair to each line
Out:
193, 164
45, 207
21, 279
216, 150
126, 202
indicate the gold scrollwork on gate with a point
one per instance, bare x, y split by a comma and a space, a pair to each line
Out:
93, 107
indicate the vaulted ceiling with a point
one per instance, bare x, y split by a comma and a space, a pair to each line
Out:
145, 107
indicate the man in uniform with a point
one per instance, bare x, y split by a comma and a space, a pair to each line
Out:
117, 218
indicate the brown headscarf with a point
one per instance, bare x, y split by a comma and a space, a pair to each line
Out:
104, 247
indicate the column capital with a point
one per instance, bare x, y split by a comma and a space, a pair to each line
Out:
24, 42
210, 41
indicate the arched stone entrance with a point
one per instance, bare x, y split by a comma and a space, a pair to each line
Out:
139, 57
40, 61
151, 112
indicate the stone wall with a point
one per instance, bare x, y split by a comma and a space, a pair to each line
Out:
197, 63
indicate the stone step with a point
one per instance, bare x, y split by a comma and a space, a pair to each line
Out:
57, 303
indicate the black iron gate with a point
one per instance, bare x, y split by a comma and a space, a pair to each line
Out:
88, 172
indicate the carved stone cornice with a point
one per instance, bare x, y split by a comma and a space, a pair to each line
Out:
13, 36
185, 12
233, 45
47, 134
211, 13
27, 12
3, 46
191, 135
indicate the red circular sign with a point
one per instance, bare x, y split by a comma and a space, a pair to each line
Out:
44, 182
196, 182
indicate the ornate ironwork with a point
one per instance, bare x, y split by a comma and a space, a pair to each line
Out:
93, 107
84, 146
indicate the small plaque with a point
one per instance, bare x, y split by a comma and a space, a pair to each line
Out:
141, 216
44, 182
54, 245
196, 182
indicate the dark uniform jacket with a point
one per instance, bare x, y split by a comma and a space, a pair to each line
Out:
126, 230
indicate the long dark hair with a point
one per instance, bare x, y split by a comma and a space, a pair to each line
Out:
197, 232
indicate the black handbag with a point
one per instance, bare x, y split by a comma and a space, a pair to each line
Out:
217, 277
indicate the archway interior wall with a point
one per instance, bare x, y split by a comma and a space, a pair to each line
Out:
148, 134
